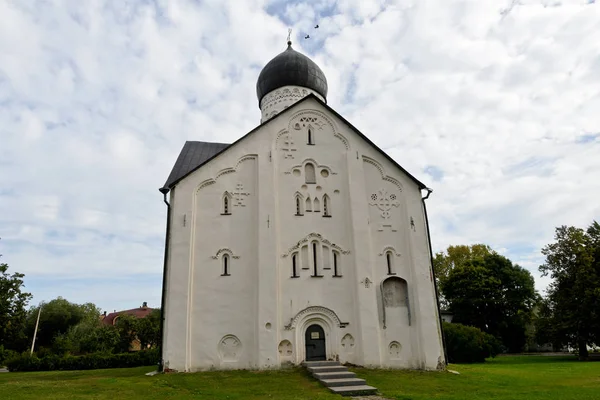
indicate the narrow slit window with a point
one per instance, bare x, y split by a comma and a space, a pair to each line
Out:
310, 137
336, 264
315, 266
298, 204
326, 210
226, 265
295, 265
309, 172
226, 204
390, 263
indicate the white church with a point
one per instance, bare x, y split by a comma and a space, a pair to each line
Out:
300, 241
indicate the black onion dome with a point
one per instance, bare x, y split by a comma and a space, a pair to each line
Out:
291, 68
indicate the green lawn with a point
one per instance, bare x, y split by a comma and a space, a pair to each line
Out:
514, 378
525, 377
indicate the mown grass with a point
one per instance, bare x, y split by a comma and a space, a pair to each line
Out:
511, 377
518, 377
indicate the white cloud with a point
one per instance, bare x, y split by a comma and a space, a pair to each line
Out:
98, 98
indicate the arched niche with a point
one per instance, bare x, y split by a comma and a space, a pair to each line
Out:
394, 294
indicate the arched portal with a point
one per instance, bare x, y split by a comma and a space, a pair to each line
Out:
314, 342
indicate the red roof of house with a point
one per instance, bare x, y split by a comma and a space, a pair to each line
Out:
140, 312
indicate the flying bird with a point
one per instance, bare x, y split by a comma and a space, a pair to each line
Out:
317, 26
307, 37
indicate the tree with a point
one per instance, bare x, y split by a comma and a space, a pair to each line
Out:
57, 317
89, 336
456, 256
573, 298
127, 328
12, 310
148, 329
494, 295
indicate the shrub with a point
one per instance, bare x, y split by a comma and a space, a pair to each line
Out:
25, 362
6, 354
467, 344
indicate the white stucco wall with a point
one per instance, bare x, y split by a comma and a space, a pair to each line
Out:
257, 316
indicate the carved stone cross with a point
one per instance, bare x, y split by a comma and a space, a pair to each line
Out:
288, 146
239, 195
384, 201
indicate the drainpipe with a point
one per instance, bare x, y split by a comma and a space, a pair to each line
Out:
437, 296
161, 364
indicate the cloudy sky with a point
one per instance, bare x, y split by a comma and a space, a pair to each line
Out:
495, 104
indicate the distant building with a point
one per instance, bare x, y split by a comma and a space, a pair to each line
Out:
141, 312
446, 316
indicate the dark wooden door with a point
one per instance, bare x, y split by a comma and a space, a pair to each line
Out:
315, 343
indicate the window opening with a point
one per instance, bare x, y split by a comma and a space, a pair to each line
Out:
310, 137
326, 206
298, 205
390, 263
336, 272
314, 249
226, 204
295, 265
225, 265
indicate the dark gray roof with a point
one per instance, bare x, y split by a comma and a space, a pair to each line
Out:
192, 156
291, 68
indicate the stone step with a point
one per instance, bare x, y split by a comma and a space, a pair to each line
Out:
334, 375
360, 390
319, 363
343, 382
328, 368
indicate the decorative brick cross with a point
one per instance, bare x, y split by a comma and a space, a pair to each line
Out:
239, 195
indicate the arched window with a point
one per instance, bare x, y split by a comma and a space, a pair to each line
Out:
226, 207
316, 205
336, 264
308, 205
311, 139
226, 265
299, 204
315, 259
326, 206
295, 265
309, 173
389, 258
390, 263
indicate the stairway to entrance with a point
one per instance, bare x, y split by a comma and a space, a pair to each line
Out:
338, 379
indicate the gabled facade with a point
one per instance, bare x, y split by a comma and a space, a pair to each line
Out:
300, 241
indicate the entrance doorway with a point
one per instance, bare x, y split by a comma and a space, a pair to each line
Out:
315, 343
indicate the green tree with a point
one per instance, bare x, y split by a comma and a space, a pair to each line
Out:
455, 256
572, 314
494, 295
148, 329
88, 336
127, 327
57, 317
13, 313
